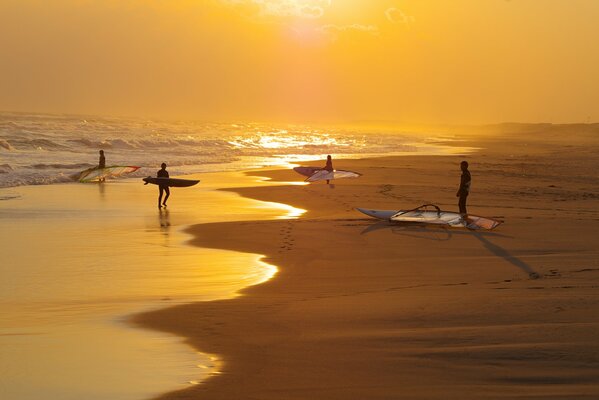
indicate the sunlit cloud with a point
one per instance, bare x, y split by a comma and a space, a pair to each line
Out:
334, 31
310, 9
396, 16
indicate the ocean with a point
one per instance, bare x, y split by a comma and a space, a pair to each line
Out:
37, 149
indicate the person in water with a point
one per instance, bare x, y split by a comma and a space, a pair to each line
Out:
329, 165
163, 188
464, 189
102, 161
102, 164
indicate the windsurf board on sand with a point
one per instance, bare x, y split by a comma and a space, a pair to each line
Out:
424, 215
95, 174
171, 182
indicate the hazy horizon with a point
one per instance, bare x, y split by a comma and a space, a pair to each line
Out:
303, 61
356, 123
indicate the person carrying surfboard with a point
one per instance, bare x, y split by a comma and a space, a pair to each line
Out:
163, 188
329, 165
464, 189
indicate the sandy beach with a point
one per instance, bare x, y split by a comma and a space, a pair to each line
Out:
78, 259
251, 283
367, 310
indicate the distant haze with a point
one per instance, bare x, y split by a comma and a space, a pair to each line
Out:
433, 61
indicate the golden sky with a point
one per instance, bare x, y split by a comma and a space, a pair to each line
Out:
433, 61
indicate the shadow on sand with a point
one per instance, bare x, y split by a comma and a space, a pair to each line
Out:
438, 233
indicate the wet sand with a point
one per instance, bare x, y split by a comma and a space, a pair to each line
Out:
78, 259
360, 310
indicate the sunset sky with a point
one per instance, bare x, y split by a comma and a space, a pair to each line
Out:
433, 61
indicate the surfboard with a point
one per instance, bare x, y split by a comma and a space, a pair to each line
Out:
324, 175
96, 174
423, 215
171, 182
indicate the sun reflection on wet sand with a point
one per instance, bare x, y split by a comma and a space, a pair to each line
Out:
96, 256
291, 212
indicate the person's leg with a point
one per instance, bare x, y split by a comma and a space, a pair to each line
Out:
168, 193
462, 204
161, 189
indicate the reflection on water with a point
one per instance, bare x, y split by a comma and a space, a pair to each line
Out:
102, 189
76, 262
165, 223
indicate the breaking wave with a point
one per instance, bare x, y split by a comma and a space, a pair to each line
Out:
46, 149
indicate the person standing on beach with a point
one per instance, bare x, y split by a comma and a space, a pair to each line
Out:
329, 165
163, 187
464, 189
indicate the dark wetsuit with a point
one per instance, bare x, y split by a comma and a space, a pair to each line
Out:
464, 190
102, 162
163, 188
329, 167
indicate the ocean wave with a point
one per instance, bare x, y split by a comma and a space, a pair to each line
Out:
38, 144
11, 125
5, 145
62, 166
9, 197
13, 180
85, 142
121, 144
46, 149
5, 169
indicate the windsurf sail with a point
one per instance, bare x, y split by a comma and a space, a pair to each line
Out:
324, 175
432, 214
306, 171
436, 216
95, 174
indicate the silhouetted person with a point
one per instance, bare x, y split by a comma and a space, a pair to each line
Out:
329, 165
464, 188
102, 164
163, 187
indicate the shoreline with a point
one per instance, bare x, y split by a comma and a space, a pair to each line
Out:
422, 312
94, 255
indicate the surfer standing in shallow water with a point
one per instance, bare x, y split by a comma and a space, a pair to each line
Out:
102, 161
163, 187
329, 165
464, 189
102, 164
